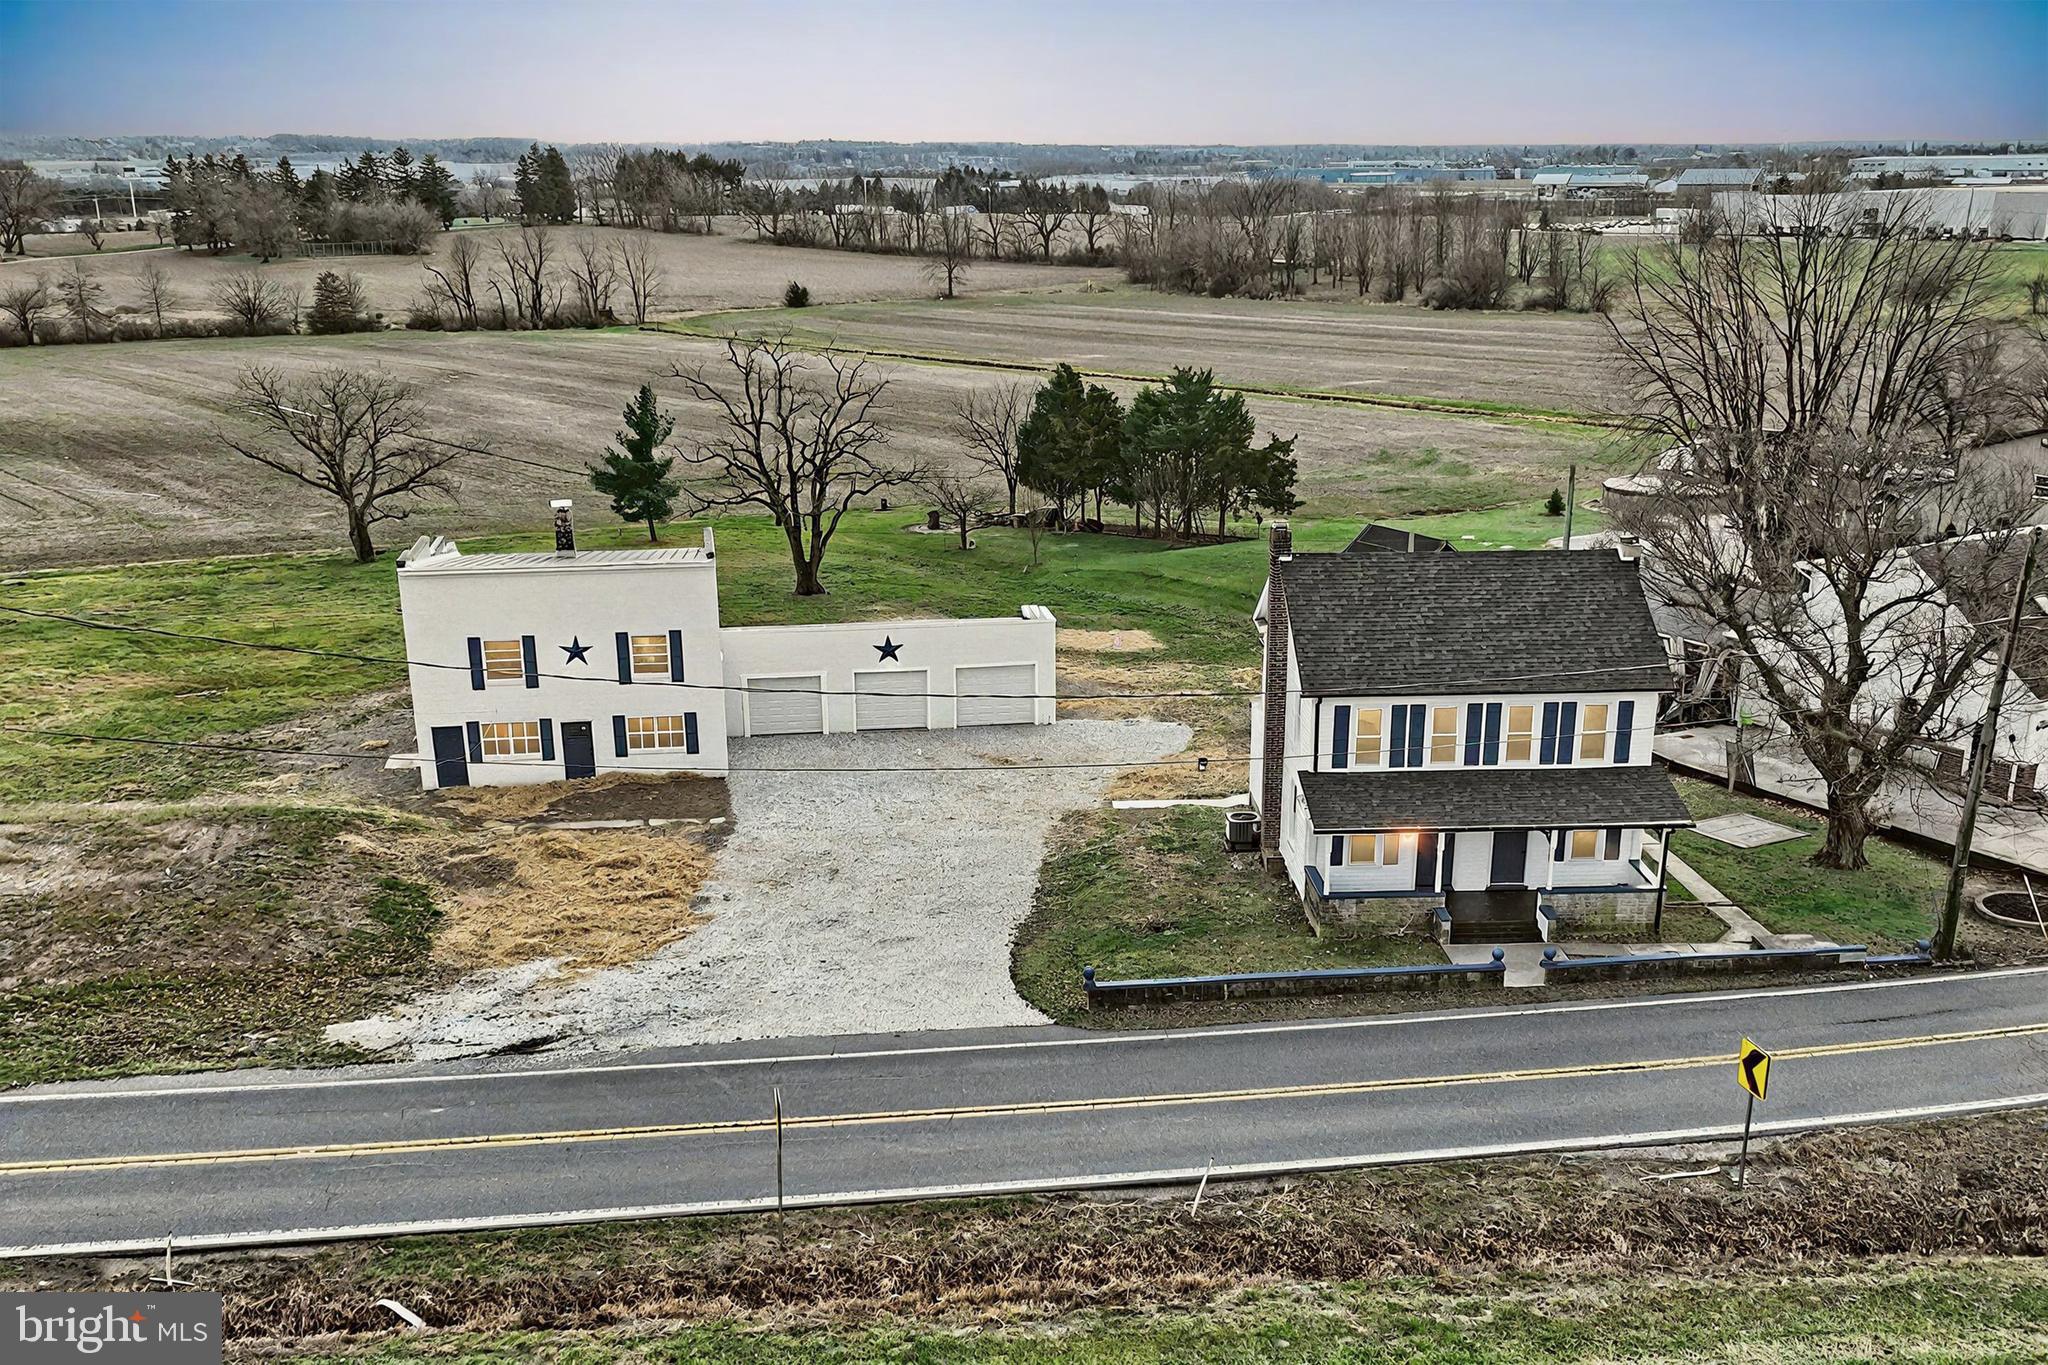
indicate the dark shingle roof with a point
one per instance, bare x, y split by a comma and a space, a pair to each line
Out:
1378, 537
1636, 795
1509, 621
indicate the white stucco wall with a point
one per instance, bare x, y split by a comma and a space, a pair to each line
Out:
936, 646
588, 600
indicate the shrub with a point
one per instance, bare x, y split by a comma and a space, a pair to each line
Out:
1554, 505
796, 296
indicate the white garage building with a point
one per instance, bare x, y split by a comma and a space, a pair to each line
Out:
536, 667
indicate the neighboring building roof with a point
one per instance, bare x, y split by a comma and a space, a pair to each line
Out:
1509, 621
454, 561
1637, 795
1719, 175
1984, 593
1377, 537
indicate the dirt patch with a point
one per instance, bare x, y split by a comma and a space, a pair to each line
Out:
88, 899
593, 898
1107, 641
1978, 1187
613, 796
1221, 725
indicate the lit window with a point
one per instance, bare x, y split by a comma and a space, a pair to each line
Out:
656, 732
510, 739
1365, 749
1593, 733
1361, 849
650, 655
1443, 735
504, 659
1585, 843
1521, 733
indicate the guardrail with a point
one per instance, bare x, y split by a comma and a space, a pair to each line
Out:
1280, 985
1562, 969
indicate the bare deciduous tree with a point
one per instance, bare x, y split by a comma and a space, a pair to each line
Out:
355, 435
595, 273
254, 300
988, 420
26, 301
157, 293
27, 201
1807, 383
83, 295
641, 270
455, 277
962, 500
949, 242
486, 196
527, 256
797, 435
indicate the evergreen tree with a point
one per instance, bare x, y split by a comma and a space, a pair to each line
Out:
398, 173
1196, 441
241, 169
634, 475
557, 187
316, 202
1068, 447
287, 177
526, 184
435, 188
337, 304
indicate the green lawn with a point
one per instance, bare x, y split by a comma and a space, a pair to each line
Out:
1147, 893
1889, 904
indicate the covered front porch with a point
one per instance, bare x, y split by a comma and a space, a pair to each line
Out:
1488, 856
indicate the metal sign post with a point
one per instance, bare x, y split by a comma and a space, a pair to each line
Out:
778, 1151
1753, 1070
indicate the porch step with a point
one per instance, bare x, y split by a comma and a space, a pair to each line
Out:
1495, 931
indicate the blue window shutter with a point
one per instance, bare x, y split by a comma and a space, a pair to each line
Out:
475, 736
675, 656
690, 732
1547, 750
625, 644
1336, 850
1492, 733
1473, 712
619, 736
1567, 731
1416, 716
526, 657
476, 663
1397, 738
1340, 736
1613, 844
1557, 850
1425, 860
1624, 730
547, 740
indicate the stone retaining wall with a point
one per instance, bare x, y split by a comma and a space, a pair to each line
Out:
1601, 910
1371, 916
1282, 985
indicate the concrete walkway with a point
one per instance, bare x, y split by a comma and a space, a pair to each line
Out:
2013, 834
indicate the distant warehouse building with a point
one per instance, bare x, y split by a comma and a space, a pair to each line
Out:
1358, 174
2016, 211
2018, 166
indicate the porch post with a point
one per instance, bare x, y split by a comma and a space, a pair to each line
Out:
1663, 877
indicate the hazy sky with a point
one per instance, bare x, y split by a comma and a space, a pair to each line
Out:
1038, 71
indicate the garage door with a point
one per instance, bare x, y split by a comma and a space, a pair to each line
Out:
894, 700
786, 706
1017, 708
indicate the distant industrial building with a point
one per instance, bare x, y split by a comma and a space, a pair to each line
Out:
2019, 166
2016, 211
1356, 174
1695, 186
1584, 172
1562, 184
148, 175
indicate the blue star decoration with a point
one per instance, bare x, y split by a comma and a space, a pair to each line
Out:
887, 649
578, 652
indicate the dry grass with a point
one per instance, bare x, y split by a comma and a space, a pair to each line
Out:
608, 796
1107, 641
1221, 725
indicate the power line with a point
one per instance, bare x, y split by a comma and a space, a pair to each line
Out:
199, 637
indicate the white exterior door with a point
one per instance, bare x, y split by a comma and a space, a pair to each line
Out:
786, 706
893, 700
1020, 707
1472, 862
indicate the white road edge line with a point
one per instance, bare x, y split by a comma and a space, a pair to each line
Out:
1173, 1176
942, 1049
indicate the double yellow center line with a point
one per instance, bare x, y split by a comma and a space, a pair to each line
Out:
1024, 1108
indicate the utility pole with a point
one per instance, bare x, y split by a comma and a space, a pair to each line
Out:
1571, 500
1986, 740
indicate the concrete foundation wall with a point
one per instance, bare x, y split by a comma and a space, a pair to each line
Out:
1595, 910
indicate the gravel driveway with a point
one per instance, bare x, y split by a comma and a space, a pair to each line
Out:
845, 902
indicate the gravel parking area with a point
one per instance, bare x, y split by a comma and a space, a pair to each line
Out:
850, 901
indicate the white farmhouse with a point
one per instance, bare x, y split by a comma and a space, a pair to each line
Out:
541, 666
1462, 738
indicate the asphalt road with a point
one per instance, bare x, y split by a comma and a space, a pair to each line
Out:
227, 1160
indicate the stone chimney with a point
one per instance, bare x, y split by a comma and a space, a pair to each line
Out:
1273, 741
565, 529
